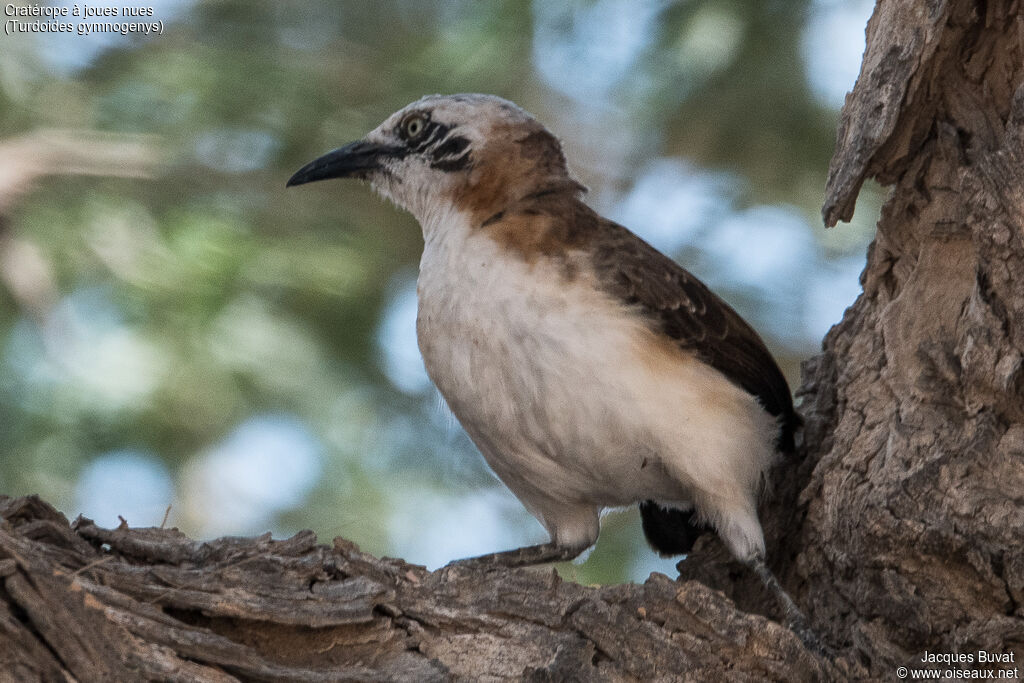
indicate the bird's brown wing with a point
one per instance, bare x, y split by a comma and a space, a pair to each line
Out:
681, 307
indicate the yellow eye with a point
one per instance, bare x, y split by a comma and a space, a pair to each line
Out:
414, 126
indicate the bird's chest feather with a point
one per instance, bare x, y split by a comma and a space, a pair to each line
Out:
492, 327
539, 367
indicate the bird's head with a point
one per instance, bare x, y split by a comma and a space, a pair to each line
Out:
467, 153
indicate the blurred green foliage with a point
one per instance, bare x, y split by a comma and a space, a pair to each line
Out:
184, 303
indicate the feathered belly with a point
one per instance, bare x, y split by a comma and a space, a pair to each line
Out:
549, 398
570, 396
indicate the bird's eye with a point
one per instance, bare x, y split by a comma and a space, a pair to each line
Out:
414, 126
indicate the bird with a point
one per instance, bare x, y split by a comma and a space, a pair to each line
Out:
590, 370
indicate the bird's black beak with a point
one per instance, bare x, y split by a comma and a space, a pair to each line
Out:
354, 160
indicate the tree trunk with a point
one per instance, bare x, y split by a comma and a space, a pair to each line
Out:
914, 538
899, 528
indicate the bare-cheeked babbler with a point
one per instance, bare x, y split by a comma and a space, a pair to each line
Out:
590, 370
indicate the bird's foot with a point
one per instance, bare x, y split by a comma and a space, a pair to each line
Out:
794, 619
807, 635
521, 557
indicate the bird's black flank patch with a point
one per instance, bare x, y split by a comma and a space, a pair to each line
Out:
668, 530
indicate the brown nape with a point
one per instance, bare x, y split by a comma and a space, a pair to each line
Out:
519, 159
520, 191
549, 223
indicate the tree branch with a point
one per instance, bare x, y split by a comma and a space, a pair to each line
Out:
129, 604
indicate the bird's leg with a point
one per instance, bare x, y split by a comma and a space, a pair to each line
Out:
794, 618
524, 557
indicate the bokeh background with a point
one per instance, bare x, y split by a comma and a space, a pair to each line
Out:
177, 329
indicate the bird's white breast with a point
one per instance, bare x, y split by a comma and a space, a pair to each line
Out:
567, 393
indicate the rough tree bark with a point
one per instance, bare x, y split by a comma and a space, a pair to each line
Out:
899, 529
149, 604
914, 538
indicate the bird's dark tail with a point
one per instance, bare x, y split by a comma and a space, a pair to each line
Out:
671, 531
789, 424
668, 530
